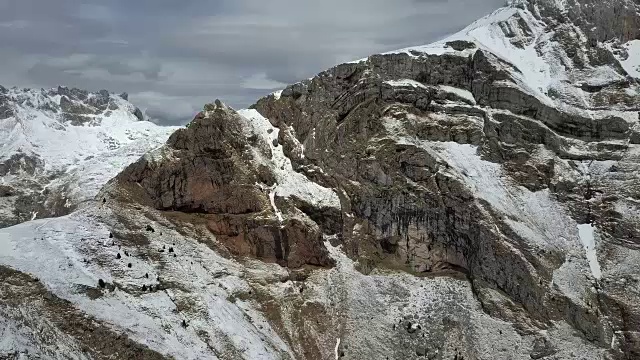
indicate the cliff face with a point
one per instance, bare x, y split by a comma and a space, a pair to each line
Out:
224, 167
476, 198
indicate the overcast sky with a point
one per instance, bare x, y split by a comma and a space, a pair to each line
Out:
173, 56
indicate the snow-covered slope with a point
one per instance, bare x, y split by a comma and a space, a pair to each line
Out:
60, 146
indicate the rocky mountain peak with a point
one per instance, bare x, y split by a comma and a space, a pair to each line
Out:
221, 167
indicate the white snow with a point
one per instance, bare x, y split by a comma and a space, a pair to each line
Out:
632, 64
540, 65
405, 82
289, 182
277, 94
272, 199
465, 94
533, 215
67, 253
586, 234
337, 354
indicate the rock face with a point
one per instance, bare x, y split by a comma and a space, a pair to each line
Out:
214, 168
61, 145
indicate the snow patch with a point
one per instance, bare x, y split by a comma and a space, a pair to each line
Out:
277, 94
465, 94
67, 254
632, 64
405, 82
586, 234
539, 219
272, 198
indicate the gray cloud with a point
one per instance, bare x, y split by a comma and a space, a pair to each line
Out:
172, 56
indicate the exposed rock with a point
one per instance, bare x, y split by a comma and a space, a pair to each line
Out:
21, 163
211, 170
460, 45
138, 113
542, 348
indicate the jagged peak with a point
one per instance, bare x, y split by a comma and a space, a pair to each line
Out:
217, 105
67, 105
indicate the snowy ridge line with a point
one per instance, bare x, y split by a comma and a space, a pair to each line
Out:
66, 162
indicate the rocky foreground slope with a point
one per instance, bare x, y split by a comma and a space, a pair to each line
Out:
476, 198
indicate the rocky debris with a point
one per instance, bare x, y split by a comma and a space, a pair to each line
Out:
542, 347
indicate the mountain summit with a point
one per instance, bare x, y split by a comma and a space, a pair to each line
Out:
475, 198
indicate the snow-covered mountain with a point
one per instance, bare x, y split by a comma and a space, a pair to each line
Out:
475, 198
60, 146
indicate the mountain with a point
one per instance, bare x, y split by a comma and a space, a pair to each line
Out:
475, 198
60, 146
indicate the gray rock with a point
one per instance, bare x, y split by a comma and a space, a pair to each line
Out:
138, 113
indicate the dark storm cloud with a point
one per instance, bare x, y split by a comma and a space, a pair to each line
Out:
172, 56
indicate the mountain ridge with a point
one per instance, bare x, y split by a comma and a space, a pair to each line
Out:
58, 145
475, 198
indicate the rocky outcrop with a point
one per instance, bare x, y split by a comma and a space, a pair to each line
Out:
600, 21
211, 169
79, 106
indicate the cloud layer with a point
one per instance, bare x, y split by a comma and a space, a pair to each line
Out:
172, 56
